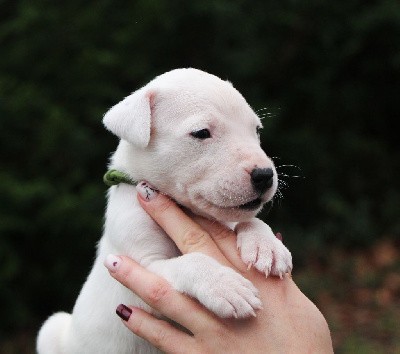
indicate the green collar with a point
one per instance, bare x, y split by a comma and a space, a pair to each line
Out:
115, 177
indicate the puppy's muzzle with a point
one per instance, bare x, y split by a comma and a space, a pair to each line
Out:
262, 179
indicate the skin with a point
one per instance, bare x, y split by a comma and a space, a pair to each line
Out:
288, 323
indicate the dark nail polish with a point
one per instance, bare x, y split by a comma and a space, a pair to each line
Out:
124, 312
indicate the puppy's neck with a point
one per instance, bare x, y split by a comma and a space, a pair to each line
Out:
125, 160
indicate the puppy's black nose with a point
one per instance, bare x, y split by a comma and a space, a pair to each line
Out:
262, 179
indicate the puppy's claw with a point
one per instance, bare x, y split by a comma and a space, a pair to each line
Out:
268, 271
260, 247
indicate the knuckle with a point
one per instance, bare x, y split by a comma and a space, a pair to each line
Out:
158, 292
222, 233
194, 238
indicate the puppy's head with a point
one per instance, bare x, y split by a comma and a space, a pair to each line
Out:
194, 137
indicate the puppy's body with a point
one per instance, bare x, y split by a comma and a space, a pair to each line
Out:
193, 137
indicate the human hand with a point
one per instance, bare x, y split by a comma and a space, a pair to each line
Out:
288, 322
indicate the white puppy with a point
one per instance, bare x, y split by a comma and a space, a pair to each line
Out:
193, 137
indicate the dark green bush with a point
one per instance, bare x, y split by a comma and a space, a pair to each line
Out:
327, 72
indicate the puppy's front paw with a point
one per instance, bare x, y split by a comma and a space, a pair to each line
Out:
228, 294
260, 248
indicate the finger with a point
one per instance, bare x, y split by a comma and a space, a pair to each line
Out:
158, 293
187, 235
225, 239
158, 332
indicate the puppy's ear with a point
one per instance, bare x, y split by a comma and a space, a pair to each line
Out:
130, 118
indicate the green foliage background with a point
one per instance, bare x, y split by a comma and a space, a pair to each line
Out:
327, 73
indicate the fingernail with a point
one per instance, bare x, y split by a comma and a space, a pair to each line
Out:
112, 262
146, 191
279, 236
123, 312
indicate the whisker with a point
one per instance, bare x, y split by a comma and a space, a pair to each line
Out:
280, 166
265, 112
283, 184
289, 176
278, 197
286, 175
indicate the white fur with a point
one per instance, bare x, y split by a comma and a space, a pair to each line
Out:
210, 177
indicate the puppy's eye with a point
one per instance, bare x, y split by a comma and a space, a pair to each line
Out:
201, 134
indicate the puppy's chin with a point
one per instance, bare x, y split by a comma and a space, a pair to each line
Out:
243, 212
217, 210
227, 214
